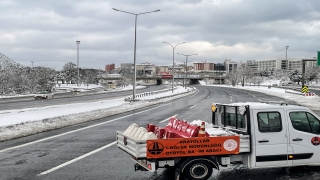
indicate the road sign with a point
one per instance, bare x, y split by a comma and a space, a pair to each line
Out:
318, 58
305, 89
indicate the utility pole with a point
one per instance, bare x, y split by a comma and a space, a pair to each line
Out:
78, 42
304, 69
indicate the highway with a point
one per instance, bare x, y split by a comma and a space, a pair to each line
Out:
67, 98
88, 150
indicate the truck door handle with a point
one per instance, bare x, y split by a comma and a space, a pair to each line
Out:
297, 139
263, 141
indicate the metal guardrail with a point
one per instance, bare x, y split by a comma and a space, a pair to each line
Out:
130, 99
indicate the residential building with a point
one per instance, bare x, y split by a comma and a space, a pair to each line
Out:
273, 64
109, 67
203, 66
145, 69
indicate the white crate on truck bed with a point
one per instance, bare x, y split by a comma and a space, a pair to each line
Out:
134, 147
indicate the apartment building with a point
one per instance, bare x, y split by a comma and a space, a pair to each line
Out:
273, 64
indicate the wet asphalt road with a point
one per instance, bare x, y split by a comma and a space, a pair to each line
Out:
87, 151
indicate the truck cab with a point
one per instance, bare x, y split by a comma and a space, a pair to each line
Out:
280, 134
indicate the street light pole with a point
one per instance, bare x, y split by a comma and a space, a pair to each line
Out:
173, 60
220, 74
287, 58
135, 42
78, 42
186, 65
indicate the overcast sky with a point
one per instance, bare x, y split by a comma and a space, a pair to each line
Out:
46, 31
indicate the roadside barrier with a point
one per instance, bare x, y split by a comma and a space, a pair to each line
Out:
309, 94
129, 98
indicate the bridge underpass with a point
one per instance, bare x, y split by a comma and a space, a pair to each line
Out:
158, 80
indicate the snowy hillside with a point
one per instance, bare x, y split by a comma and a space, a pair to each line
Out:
6, 62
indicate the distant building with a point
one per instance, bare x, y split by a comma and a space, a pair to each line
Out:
162, 69
109, 67
145, 69
203, 66
219, 67
230, 65
273, 64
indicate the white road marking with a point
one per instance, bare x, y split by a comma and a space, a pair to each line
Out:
77, 159
44, 139
168, 118
192, 106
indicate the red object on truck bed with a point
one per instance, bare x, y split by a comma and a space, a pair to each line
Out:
175, 129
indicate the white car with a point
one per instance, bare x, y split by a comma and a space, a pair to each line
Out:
43, 95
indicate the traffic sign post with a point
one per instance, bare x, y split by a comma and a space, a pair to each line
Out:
305, 89
318, 58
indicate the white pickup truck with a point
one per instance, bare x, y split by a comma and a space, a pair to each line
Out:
258, 135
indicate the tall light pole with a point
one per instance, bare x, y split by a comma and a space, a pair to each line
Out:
220, 73
135, 42
287, 58
187, 64
184, 64
78, 42
173, 47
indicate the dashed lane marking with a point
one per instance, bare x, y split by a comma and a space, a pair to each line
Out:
168, 118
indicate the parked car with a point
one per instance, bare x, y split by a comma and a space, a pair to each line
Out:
75, 90
287, 83
43, 95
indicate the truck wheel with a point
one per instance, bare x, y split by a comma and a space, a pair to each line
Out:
197, 169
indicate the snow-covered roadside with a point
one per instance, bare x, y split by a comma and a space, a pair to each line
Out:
312, 102
73, 114
81, 89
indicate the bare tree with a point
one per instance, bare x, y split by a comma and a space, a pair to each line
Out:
233, 77
245, 72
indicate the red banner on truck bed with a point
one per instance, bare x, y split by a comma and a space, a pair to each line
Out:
199, 146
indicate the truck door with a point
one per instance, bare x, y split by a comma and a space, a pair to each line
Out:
271, 139
304, 130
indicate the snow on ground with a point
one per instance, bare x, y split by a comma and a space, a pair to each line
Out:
23, 122
81, 86
312, 102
